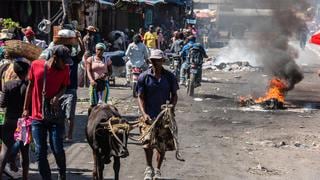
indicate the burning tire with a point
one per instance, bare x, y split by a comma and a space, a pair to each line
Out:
272, 104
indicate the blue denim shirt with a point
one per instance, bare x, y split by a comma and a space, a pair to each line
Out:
185, 50
156, 92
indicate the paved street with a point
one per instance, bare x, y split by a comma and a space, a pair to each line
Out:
220, 140
243, 122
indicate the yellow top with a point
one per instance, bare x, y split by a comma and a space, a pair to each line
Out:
150, 39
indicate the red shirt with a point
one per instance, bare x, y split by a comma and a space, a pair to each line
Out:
55, 79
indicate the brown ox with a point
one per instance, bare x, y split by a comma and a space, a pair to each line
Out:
103, 142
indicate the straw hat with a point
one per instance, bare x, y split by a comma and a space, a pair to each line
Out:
5, 34
157, 54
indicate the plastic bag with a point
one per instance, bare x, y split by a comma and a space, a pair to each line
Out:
23, 131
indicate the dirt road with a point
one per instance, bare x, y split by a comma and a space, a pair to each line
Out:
220, 140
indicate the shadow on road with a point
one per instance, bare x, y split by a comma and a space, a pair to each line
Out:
211, 81
120, 87
309, 104
212, 96
130, 117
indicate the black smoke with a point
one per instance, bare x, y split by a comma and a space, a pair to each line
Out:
275, 53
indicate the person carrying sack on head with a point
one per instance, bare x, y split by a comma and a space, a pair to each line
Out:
47, 83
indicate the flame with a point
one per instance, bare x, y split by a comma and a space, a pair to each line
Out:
277, 90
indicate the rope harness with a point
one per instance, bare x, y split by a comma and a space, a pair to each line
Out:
116, 125
171, 123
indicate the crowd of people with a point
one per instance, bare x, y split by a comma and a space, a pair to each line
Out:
28, 86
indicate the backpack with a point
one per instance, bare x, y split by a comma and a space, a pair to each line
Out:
195, 55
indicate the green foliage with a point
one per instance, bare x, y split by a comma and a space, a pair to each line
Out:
8, 23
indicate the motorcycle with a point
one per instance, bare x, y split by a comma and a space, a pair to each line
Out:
193, 82
175, 64
135, 72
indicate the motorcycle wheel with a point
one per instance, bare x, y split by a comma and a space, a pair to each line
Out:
177, 73
190, 88
134, 92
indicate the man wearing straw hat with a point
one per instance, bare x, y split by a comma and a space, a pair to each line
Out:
89, 47
155, 87
88, 41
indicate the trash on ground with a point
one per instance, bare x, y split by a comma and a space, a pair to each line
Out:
261, 170
239, 66
198, 99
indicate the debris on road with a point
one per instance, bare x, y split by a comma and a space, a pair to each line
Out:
249, 143
83, 100
217, 136
267, 143
198, 99
240, 66
261, 170
210, 79
274, 98
236, 122
305, 116
282, 143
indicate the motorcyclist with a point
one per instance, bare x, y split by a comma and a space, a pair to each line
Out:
177, 44
186, 59
137, 54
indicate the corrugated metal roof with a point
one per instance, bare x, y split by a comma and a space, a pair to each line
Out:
213, 1
151, 2
248, 12
33, 0
106, 2
154, 2
178, 2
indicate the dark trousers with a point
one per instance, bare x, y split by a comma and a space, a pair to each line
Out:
9, 145
40, 131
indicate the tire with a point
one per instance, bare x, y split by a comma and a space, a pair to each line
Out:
190, 88
134, 92
178, 75
177, 72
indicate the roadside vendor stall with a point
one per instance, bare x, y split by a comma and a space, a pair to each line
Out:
206, 26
